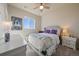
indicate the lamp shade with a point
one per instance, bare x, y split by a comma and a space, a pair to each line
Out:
65, 32
41, 7
7, 25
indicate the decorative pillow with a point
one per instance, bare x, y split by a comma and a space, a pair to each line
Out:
46, 30
53, 31
50, 31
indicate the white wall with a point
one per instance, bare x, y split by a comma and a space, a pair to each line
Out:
14, 11
62, 15
3, 18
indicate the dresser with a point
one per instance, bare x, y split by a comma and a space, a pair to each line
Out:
69, 42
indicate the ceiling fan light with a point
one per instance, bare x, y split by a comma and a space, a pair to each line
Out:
41, 7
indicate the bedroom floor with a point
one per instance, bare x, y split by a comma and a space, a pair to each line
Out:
61, 51
65, 51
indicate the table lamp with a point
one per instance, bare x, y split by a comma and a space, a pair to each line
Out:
65, 32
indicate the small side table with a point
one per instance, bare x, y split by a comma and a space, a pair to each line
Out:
69, 42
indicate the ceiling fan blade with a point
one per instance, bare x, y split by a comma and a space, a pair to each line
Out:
42, 4
36, 7
47, 7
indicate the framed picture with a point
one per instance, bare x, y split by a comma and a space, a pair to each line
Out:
16, 23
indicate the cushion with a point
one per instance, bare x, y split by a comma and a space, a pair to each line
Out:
53, 31
50, 31
46, 30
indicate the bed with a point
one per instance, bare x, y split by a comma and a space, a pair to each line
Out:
45, 43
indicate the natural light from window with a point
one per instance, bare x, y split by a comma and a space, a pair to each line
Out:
28, 23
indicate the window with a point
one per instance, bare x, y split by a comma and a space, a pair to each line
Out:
28, 23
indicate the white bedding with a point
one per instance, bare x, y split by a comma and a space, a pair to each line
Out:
53, 36
42, 41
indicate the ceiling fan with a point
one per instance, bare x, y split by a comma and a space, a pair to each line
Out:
42, 6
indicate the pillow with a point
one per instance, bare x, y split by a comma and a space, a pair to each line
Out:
53, 31
50, 31
46, 30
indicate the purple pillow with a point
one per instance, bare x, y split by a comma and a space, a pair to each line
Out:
53, 31
46, 31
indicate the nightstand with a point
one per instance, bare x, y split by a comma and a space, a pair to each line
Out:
69, 42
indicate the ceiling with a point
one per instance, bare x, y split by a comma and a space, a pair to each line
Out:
30, 7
